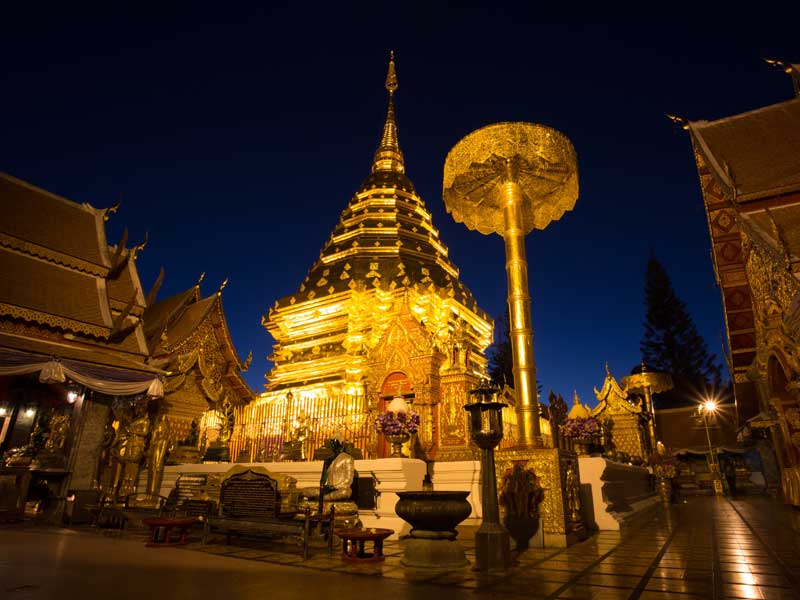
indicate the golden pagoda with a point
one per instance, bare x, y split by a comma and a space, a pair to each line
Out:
381, 313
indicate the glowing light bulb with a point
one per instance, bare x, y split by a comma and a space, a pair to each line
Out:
29, 412
710, 406
71, 397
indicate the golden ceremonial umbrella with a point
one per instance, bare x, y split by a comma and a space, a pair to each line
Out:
648, 383
511, 178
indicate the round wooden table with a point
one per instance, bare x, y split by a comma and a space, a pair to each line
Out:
353, 541
166, 525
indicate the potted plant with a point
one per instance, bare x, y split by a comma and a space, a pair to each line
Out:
583, 432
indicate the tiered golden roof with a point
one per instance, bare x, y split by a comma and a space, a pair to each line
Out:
384, 246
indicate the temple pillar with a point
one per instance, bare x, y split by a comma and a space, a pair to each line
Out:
453, 441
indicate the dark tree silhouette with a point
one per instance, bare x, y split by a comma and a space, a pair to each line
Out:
501, 356
671, 342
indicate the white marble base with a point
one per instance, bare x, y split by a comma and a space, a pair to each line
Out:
618, 492
463, 475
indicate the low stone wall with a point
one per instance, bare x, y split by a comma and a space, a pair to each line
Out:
614, 493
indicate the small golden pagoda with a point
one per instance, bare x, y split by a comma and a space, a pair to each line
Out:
623, 423
381, 313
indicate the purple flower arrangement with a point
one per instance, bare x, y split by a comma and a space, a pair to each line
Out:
390, 423
581, 428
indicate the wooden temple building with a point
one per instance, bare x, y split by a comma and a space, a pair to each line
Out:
97, 380
189, 339
381, 313
749, 170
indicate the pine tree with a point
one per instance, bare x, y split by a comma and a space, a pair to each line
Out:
671, 342
501, 357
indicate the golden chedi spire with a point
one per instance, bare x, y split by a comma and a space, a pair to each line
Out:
385, 246
388, 156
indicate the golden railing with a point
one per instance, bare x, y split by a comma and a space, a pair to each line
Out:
266, 425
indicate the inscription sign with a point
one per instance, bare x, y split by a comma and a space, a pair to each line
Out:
249, 495
190, 486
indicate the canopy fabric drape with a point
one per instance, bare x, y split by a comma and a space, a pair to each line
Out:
107, 380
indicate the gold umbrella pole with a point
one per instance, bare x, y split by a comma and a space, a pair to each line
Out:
511, 178
651, 422
519, 308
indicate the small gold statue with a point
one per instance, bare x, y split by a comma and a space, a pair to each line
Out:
160, 444
129, 446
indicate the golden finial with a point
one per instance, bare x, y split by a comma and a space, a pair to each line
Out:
575, 398
112, 209
792, 70
391, 75
779, 64
222, 286
200, 279
388, 156
140, 247
680, 121
608, 371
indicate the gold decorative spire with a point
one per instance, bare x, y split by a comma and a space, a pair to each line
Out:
388, 156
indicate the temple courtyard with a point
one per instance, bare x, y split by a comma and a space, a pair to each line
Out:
707, 548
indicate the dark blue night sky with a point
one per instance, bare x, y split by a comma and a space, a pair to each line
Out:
237, 138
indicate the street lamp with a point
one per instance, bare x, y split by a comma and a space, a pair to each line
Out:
709, 407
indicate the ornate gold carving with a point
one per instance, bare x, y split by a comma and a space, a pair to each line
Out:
545, 167
551, 467
35, 316
27, 247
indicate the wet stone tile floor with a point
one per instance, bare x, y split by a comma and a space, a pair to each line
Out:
709, 548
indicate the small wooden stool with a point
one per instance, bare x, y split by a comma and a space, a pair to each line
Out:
158, 523
353, 543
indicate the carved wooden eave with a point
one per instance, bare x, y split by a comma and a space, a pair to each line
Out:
729, 261
205, 344
612, 399
750, 180
125, 288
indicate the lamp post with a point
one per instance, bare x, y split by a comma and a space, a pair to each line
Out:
492, 547
710, 407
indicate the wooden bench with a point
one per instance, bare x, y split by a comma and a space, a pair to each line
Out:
250, 505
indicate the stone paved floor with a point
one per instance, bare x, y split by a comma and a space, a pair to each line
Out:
709, 548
